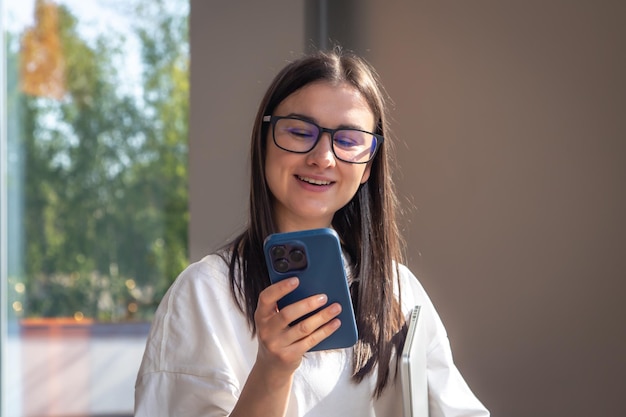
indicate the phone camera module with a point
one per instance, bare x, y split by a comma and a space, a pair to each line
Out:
288, 257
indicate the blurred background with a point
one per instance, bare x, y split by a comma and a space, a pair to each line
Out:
124, 144
94, 191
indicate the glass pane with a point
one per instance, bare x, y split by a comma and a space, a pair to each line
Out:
94, 195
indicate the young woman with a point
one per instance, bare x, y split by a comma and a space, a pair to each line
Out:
219, 346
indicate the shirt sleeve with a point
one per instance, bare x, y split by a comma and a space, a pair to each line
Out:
198, 352
448, 393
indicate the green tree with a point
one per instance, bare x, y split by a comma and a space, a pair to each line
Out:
106, 176
163, 35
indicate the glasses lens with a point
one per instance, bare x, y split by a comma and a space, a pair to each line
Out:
354, 145
295, 135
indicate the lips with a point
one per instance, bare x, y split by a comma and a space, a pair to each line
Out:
314, 181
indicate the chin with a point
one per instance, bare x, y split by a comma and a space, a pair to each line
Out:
321, 218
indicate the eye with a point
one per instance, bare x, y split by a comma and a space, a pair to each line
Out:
349, 138
297, 129
300, 132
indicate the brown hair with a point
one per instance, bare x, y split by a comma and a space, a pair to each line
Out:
366, 225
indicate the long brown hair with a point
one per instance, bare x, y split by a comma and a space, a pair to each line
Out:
366, 225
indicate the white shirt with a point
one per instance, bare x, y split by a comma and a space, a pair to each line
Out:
200, 351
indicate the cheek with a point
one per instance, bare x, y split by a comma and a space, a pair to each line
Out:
358, 176
275, 169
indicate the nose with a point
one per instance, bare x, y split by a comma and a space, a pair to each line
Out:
322, 153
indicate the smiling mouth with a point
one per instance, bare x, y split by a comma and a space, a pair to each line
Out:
313, 181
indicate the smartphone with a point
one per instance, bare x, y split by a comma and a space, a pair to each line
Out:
314, 256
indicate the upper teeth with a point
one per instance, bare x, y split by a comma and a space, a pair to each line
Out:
313, 181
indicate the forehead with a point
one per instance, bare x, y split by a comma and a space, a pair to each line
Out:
329, 104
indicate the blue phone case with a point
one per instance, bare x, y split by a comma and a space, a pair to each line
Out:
314, 256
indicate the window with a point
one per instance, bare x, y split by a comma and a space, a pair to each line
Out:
93, 155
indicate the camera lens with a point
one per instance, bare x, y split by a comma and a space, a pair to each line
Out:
278, 251
296, 255
281, 265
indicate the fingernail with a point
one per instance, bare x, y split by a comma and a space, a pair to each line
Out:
322, 298
335, 308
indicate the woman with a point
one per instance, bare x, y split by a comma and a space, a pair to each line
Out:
219, 346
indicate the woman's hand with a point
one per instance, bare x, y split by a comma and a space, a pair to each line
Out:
281, 346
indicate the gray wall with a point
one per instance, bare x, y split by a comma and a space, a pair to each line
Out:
236, 49
512, 143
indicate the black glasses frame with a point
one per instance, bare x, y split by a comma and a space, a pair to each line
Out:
274, 119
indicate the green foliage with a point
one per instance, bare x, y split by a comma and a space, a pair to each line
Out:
105, 212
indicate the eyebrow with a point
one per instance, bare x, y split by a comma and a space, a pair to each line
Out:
313, 120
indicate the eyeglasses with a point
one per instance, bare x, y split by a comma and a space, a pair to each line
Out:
296, 135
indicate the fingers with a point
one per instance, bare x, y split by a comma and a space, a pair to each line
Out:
270, 296
274, 330
309, 331
294, 311
312, 330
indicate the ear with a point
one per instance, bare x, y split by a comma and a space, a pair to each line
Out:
366, 173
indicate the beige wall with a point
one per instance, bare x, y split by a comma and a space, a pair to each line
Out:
512, 118
236, 49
